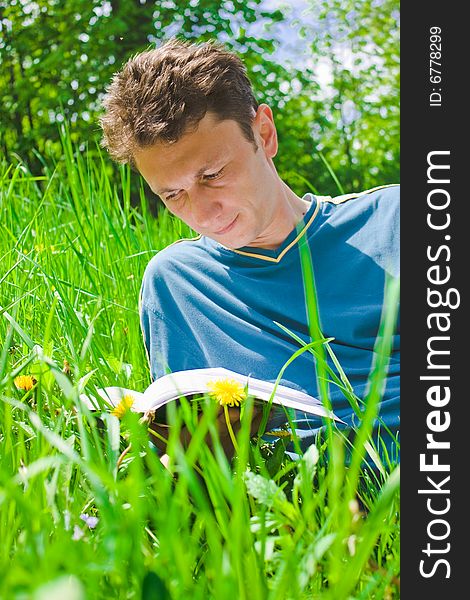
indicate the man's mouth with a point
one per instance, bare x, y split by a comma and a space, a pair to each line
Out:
227, 228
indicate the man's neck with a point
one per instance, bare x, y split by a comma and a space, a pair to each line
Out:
290, 211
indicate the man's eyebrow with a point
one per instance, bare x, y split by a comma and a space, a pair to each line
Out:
209, 167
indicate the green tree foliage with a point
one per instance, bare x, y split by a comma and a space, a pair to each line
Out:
357, 122
56, 59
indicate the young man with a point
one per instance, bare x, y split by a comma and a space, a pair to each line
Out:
186, 118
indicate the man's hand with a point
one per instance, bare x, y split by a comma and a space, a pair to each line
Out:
163, 431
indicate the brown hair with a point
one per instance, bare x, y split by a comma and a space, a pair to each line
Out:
161, 94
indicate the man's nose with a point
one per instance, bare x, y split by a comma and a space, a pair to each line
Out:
206, 208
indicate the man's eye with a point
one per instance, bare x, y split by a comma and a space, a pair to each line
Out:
212, 176
172, 196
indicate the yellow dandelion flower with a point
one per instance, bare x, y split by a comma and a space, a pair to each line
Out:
126, 404
24, 382
227, 392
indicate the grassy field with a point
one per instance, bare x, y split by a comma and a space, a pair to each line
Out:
86, 508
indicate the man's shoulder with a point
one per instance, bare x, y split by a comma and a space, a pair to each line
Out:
362, 208
382, 193
368, 222
177, 259
181, 247
169, 267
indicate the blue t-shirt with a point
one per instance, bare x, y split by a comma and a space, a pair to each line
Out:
204, 305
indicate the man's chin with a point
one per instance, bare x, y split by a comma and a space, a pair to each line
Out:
231, 245
232, 242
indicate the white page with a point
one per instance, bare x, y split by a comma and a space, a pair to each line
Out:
194, 381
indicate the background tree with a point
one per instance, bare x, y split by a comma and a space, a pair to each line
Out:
357, 121
57, 57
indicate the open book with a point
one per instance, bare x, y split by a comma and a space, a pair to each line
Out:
195, 382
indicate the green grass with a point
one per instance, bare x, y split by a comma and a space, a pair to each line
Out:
72, 254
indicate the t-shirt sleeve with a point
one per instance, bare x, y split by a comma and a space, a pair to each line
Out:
169, 344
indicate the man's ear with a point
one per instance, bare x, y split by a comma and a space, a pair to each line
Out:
264, 125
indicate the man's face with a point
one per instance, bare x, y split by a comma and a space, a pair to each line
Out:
215, 181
